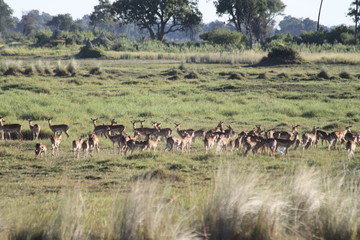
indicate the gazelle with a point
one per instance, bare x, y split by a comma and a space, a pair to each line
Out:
35, 129
100, 130
116, 128
55, 144
76, 147
40, 149
58, 128
7, 129
337, 136
286, 135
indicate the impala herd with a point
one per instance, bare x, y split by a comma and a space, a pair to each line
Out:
147, 138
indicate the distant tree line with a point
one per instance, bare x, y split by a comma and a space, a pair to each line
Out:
249, 22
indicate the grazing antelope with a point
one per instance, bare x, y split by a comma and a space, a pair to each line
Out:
337, 136
198, 134
286, 143
116, 128
55, 144
35, 129
351, 145
183, 133
286, 135
76, 147
100, 130
40, 149
7, 129
58, 128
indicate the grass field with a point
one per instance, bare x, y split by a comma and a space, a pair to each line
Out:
310, 194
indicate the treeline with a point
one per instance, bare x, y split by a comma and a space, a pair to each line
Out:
111, 27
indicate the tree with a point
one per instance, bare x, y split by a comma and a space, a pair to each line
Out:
102, 13
6, 20
318, 22
354, 12
297, 26
63, 22
251, 17
158, 17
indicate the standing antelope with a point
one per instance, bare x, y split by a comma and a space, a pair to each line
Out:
55, 144
76, 146
35, 129
119, 140
100, 130
183, 133
286, 135
7, 129
186, 142
58, 128
351, 145
94, 142
209, 141
143, 131
131, 145
337, 136
152, 144
286, 143
40, 149
85, 147
116, 128
162, 132
310, 138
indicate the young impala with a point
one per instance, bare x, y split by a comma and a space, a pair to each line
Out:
40, 149
76, 146
55, 144
35, 129
7, 129
58, 129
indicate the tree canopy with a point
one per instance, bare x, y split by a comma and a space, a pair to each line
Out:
157, 17
6, 19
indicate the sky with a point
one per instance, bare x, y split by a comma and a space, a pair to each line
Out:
333, 11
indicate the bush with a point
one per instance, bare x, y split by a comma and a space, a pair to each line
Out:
86, 52
282, 55
225, 37
323, 74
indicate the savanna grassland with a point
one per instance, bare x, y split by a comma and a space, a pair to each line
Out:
311, 194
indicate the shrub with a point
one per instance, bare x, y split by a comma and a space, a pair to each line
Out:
72, 67
225, 37
345, 75
282, 55
323, 74
86, 52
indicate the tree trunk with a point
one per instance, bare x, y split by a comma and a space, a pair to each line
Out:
356, 19
318, 22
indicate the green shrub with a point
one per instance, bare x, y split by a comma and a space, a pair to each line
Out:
86, 52
323, 74
345, 75
282, 55
225, 37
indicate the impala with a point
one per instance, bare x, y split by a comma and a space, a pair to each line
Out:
186, 142
119, 140
222, 142
286, 135
76, 146
58, 128
171, 141
131, 145
40, 149
183, 133
209, 141
351, 145
35, 129
55, 144
94, 142
85, 147
310, 138
337, 136
162, 132
7, 129
143, 131
100, 130
116, 128
152, 144
321, 135
286, 144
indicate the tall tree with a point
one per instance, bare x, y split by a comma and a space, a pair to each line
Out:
103, 13
158, 17
250, 16
6, 20
63, 22
354, 12
318, 22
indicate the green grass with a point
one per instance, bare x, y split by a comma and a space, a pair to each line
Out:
174, 195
